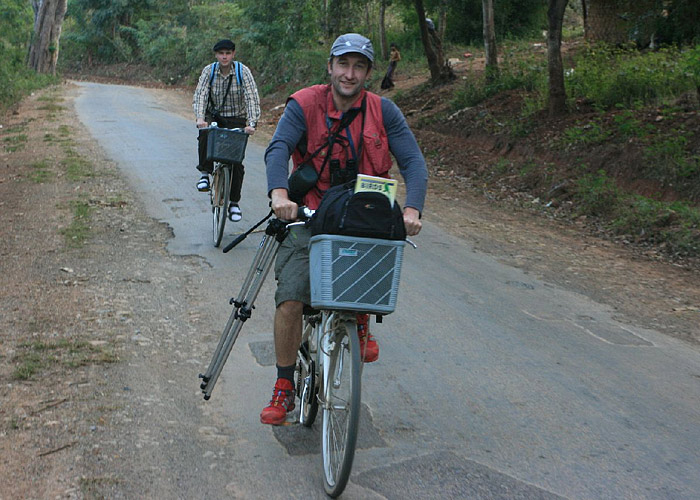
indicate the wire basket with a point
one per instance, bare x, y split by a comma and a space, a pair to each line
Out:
226, 145
356, 274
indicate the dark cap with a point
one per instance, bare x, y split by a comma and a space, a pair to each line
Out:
224, 45
352, 42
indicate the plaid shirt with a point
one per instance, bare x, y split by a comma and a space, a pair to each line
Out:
241, 102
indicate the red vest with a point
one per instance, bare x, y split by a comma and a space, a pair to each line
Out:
317, 102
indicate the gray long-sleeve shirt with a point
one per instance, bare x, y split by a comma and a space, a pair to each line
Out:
402, 145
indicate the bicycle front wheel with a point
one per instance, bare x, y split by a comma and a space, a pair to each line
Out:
341, 405
221, 190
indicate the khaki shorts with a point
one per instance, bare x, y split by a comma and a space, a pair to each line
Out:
292, 267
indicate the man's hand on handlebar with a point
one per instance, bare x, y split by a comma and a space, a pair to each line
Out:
283, 207
202, 123
411, 219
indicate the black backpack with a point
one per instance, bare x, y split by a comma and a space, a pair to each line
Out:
364, 214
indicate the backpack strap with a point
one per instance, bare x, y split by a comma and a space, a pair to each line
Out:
213, 74
239, 74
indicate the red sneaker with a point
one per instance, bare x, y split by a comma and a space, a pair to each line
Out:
282, 402
369, 350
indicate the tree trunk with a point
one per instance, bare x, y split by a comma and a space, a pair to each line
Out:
557, 92
368, 20
440, 71
442, 27
584, 12
334, 13
43, 52
382, 31
490, 50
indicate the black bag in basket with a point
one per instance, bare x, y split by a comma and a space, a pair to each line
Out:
364, 214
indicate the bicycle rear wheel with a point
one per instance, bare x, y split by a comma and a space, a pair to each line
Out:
341, 405
221, 190
307, 375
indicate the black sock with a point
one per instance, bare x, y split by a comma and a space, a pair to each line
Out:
286, 372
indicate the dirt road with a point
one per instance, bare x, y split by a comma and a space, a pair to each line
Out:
101, 325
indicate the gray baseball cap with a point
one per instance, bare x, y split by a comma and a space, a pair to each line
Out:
353, 42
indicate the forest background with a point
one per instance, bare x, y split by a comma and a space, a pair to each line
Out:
621, 151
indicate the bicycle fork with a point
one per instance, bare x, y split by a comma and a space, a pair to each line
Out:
243, 304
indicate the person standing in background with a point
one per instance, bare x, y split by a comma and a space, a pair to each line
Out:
394, 58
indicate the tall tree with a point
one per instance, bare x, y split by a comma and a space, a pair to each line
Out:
334, 13
490, 40
43, 52
557, 92
440, 70
442, 18
382, 28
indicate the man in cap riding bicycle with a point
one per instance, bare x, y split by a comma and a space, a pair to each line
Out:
226, 93
310, 117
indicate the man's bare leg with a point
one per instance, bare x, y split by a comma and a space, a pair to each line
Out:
288, 332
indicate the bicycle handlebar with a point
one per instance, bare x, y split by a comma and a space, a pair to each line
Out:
215, 125
304, 214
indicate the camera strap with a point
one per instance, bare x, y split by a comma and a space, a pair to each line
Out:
344, 123
228, 87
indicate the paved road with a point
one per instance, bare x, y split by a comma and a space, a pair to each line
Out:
491, 384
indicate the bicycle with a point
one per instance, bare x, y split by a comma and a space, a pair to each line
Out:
362, 278
224, 147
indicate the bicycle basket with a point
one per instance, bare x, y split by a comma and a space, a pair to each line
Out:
226, 146
353, 273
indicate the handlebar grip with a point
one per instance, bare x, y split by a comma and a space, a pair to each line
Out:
304, 213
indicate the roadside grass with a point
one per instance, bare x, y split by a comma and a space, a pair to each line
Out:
15, 142
40, 172
52, 107
674, 225
78, 231
92, 487
77, 167
52, 98
667, 156
63, 137
38, 356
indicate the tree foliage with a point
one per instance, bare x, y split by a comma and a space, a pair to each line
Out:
512, 19
176, 35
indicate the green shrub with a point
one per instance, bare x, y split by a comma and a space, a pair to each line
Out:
609, 76
588, 133
517, 72
675, 224
667, 160
597, 194
628, 125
